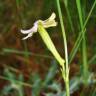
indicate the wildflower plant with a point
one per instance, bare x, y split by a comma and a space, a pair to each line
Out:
40, 26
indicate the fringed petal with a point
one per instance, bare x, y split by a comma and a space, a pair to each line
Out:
29, 35
52, 17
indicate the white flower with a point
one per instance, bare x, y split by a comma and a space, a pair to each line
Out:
50, 22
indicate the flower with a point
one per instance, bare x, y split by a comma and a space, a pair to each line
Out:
50, 22
40, 26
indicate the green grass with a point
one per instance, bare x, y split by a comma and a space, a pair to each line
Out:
84, 50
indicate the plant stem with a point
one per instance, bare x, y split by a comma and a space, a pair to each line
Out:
20, 92
67, 87
66, 79
65, 74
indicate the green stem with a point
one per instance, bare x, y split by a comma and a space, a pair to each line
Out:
67, 87
66, 78
20, 92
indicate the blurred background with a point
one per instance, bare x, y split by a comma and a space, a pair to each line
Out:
28, 65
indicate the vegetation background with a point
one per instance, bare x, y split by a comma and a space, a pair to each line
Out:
27, 68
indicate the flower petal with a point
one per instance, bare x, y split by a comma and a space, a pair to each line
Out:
29, 35
50, 24
53, 16
33, 29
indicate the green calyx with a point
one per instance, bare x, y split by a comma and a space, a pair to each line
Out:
48, 42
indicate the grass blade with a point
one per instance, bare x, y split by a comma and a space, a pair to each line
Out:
80, 37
